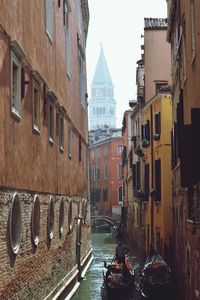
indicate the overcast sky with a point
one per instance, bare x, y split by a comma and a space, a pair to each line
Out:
118, 26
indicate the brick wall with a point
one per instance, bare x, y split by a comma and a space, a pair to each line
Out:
35, 271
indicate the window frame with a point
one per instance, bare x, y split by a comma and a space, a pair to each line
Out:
15, 216
35, 217
120, 170
69, 148
67, 10
62, 113
81, 63
36, 121
49, 18
50, 219
51, 116
120, 189
120, 149
16, 99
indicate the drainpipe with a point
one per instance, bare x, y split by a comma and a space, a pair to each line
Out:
152, 177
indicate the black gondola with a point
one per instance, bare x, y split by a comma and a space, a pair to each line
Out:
155, 280
118, 282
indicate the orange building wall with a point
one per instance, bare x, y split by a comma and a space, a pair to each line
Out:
47, 167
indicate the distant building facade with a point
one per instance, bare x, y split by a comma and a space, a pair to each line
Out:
106, 172
43, 140
102, 105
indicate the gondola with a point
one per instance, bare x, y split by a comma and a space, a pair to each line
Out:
155, 281
118, 282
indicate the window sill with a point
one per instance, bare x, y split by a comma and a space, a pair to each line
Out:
49, 37
61, 149
16, 114
36, 129
51, 141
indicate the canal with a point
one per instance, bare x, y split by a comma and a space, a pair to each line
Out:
103, 250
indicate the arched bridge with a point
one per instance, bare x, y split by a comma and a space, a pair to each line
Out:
107, 219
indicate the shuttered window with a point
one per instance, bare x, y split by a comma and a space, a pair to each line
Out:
120, 194
157, 123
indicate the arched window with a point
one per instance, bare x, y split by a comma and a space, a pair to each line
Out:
15, 224
61, 217
70, 221
35, 220
50, 219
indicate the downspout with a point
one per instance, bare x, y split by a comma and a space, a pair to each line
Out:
152, 178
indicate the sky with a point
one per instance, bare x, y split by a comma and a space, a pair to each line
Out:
117, 26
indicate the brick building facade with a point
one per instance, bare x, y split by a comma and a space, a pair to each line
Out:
43, 156
106, 173
183, 35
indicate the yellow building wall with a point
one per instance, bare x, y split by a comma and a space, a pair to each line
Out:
162, 211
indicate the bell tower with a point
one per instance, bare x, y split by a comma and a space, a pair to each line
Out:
102, 105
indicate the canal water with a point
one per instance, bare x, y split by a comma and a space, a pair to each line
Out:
103, 250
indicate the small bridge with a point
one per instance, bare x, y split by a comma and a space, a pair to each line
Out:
103, 218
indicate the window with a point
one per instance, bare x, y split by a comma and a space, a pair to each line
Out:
192, 17
51, 122
79, 14
17, 78
36, 106
15, 223
120, 194
81, 60
120, 149
49, 18
120, 170
67, 10
70, 142
158, 180
15, 86
146, 134
157, 126
61, 217
62, 113
70, 217
35, 220
138, 182
50, 220
147, 130
124, 156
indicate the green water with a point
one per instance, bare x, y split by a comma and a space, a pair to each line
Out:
103, 250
